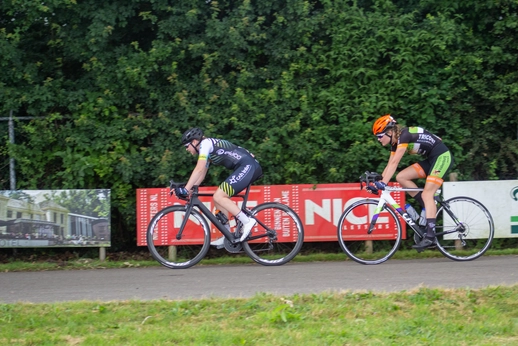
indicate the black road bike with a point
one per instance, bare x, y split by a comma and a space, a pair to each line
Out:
178, 236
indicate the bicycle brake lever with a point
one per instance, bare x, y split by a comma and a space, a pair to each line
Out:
362, 179
173, 185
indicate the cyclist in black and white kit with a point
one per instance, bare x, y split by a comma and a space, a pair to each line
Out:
438, 161
246, 169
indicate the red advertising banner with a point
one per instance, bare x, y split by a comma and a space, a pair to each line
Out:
318, 206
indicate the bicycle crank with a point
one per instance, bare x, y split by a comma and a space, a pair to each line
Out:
232, 248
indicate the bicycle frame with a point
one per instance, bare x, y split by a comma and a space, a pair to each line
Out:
387, 199
196, 202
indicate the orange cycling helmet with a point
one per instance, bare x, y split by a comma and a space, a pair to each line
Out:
383, 124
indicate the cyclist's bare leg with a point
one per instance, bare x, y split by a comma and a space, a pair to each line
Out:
223, 202
407, 176
432, 185
430, 188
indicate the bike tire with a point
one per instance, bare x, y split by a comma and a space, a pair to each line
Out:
477, 233
364, 248
285, 224
161, 235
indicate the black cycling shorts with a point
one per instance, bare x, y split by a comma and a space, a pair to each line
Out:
246, 173
438, 163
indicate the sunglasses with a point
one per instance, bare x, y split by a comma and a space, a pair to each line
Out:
187, 145
380, 135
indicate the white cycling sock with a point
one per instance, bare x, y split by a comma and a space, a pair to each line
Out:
242, 217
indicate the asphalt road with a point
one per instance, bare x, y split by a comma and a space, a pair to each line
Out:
247, 280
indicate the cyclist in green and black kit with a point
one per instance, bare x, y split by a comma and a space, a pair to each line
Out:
246, 169
437, 162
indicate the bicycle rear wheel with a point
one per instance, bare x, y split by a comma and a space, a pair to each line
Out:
467, 232
175, 253
374, 248
278, 236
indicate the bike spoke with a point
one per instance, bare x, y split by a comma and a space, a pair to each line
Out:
280, 241
360, 245
175, 253
464, 229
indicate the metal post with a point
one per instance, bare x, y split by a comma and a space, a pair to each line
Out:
12, 175
10, 119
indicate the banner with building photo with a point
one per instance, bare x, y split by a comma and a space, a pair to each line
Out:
55, 218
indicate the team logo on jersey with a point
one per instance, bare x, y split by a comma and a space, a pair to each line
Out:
221, 152
426, 138
240, 176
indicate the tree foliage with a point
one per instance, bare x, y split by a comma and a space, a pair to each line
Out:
95, 203
112, 86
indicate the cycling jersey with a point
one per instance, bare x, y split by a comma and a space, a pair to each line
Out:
224, 153
416, 140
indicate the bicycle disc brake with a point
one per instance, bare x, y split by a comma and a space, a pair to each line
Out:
463, 230
232, 248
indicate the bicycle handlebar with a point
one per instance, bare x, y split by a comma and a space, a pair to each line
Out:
173, 186
369, 177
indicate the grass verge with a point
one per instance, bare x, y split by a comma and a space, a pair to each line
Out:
147, 261
419, 317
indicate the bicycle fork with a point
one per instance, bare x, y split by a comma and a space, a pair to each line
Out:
184, 221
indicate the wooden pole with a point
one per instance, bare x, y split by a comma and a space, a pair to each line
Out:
173, 253
102, 254
369, 248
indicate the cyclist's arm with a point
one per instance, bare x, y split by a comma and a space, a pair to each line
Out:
198, 174
202, 165
393, 163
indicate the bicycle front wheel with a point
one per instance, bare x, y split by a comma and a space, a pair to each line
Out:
364, 248
163, 233
464, 228
277, 237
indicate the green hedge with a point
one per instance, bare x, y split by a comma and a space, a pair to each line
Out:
114, 84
